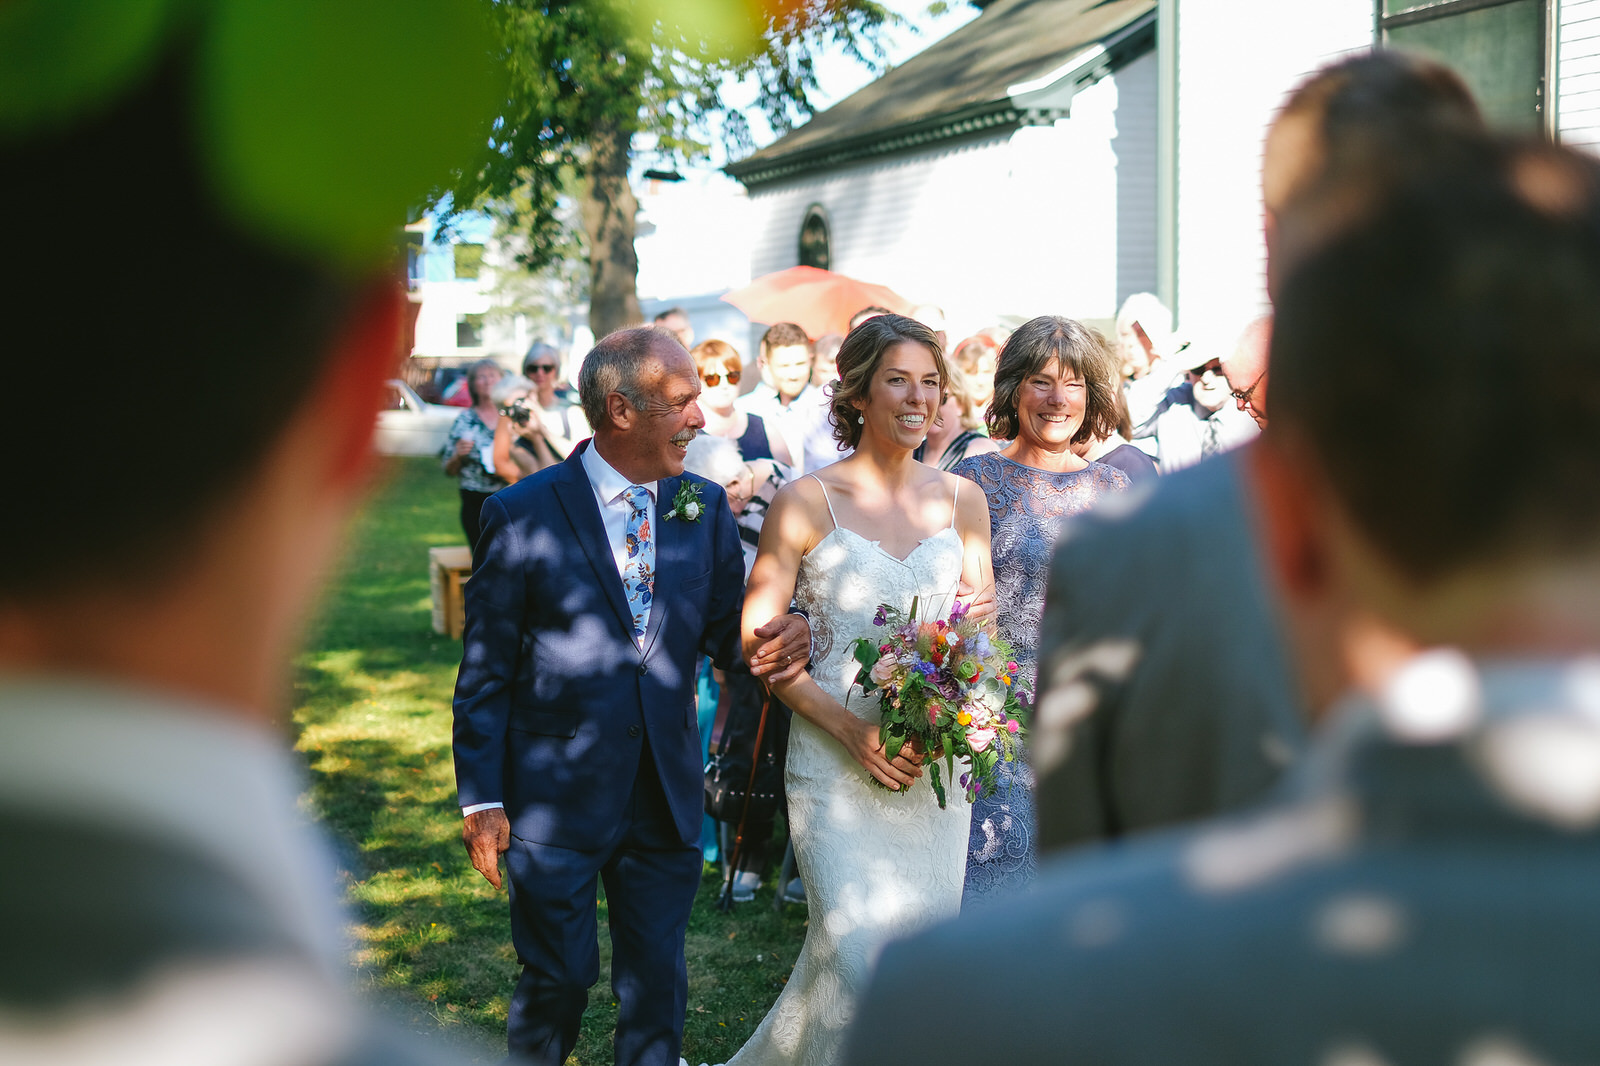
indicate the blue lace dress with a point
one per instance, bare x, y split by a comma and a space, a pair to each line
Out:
1026, 508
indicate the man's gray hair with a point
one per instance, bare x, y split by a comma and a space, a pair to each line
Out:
613, 366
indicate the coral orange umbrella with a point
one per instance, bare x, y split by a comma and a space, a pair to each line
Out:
818, 301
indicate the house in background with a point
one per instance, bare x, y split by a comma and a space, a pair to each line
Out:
451, 282
1008, 170
1054, 156
1227, 65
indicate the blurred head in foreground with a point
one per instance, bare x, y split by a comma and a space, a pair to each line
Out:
256, 328
158, 572
1461, 293
1348, 130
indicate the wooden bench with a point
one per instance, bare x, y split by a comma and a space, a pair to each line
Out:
448, 570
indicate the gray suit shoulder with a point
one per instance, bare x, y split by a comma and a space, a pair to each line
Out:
1164, 692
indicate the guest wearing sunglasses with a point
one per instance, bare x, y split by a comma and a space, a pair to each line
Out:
561, 421
1197, 419
721, 370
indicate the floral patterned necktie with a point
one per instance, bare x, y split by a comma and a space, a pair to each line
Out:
639, 572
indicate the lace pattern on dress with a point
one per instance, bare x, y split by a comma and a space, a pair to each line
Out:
1026, 510
877, 865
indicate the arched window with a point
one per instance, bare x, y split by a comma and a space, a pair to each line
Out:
814, 244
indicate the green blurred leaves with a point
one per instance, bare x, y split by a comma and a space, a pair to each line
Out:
323, 125
60, 60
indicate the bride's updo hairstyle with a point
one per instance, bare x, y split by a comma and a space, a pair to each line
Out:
858, 360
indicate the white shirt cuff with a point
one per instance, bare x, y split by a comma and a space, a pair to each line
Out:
476, 807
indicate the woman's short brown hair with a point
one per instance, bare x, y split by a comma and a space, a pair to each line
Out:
716, 355
1053, 339
859, 358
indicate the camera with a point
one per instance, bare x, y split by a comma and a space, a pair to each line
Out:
518, 410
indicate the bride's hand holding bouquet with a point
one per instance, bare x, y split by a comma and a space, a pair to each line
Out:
948, 687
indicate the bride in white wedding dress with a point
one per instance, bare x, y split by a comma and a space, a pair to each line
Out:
878, 527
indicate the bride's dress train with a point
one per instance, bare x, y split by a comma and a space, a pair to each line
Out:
877, 865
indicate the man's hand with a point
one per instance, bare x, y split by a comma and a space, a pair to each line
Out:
486, 834
980, 604
786, 651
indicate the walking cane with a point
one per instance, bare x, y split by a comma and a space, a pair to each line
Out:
725, 904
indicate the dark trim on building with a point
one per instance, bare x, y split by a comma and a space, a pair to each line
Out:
989, 118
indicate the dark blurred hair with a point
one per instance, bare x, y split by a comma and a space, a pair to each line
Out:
1464, 296
613, 365
1376, 115
784, 335
859, 358
1052, 339
668, 313
220, 337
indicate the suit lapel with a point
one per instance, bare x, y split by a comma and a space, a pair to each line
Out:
577, 500
669, 540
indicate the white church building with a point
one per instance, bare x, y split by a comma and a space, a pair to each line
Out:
1055, 156
1007, 171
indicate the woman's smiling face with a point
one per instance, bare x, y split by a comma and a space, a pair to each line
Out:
903, 396
1050, 406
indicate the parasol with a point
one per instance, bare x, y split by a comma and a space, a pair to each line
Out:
818, 301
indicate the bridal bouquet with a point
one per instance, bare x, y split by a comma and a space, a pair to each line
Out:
948, 687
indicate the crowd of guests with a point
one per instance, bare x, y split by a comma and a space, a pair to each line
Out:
1352, 667
1047, 419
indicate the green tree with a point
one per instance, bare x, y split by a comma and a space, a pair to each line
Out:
586, 76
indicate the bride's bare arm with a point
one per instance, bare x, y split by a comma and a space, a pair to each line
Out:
972, 522
789, 530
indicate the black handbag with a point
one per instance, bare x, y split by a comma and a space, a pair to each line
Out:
746, 760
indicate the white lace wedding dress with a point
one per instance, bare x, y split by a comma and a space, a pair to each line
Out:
877, 865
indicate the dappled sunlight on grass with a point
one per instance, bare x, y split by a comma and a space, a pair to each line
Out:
430, 936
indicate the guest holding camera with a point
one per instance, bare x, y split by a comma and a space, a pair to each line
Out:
561, 421
468, 450
519, 435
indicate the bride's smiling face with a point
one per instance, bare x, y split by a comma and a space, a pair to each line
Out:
903, 396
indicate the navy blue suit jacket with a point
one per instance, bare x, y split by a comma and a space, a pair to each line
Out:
554, 700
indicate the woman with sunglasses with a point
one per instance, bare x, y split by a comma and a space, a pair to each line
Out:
721, 369
560, 424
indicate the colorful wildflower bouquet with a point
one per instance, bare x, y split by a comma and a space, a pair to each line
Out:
948, 687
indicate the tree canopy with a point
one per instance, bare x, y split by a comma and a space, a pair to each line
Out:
585, 77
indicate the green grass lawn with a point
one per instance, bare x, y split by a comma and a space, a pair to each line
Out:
372, 713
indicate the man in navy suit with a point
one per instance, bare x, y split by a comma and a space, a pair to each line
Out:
596, 583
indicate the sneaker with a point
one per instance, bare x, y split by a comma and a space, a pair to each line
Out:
745, 885
794, 892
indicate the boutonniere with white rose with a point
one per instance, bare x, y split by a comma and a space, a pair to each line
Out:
686, 504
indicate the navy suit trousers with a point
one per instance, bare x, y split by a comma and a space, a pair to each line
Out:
650, 878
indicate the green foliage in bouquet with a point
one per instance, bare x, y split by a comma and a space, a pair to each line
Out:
947, 687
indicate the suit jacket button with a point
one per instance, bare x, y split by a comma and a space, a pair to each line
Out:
644, 668
633, 730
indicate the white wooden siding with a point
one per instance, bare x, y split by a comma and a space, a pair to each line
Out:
1578, 71
1237, 60
1011, 226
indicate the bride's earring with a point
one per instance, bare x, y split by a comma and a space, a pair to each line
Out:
861, 420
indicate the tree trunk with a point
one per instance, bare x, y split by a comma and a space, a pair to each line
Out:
609, 208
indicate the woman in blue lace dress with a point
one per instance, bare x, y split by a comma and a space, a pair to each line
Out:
1055, 386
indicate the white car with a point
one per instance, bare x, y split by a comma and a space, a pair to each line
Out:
408, 426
